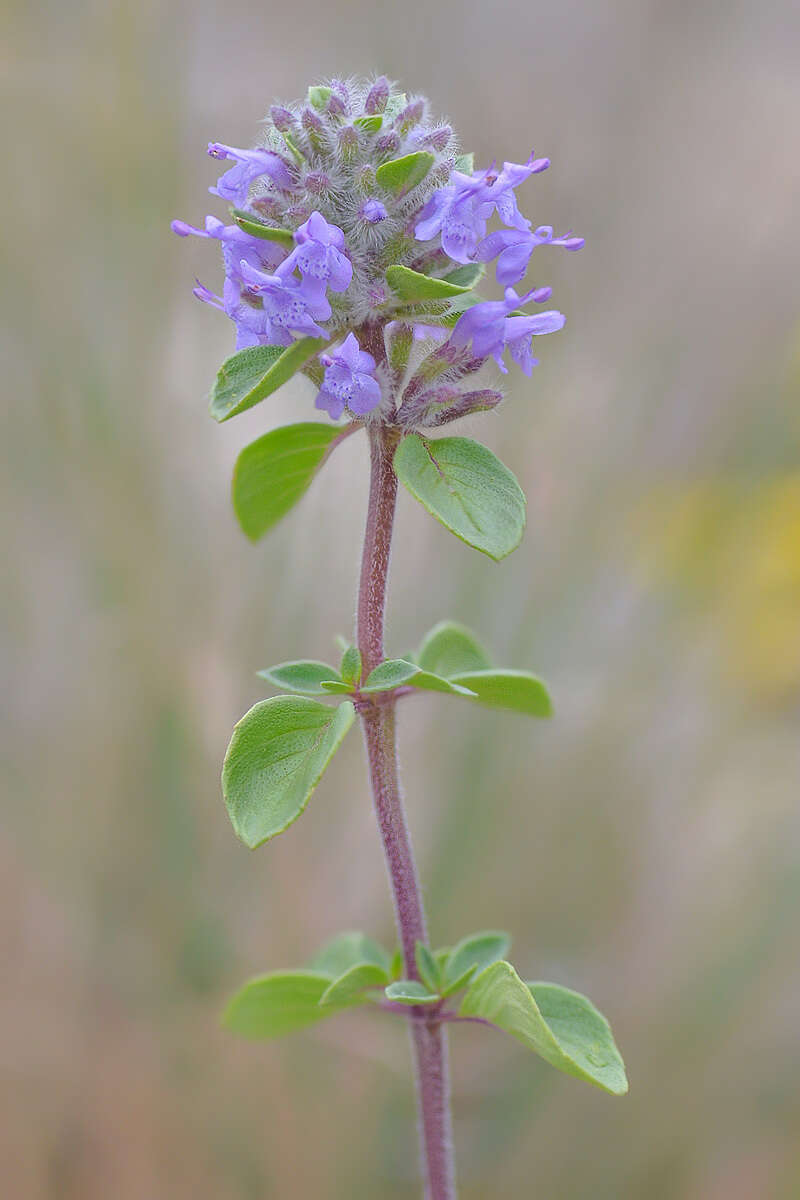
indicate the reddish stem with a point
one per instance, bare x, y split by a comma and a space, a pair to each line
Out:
378, 720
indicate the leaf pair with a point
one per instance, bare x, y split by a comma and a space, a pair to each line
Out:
561, 1026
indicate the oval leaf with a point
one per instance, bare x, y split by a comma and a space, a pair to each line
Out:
278, 1003
303, 678
518, 691
395, 672
467, 488
560, 1025
353, 986
251, 375
275, 759
273, 472
410, 991
449, 648
471, 955
413, 287
402, 174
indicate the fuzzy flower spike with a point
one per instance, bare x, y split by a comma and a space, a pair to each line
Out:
358, 223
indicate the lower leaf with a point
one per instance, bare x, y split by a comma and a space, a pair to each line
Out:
561, 1026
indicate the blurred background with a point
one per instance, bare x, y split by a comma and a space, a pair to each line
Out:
644, 846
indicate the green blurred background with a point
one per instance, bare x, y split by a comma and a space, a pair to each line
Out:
644, 846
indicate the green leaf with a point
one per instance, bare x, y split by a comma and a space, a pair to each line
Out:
413, 287
394, 672
410, 991
428, 967
465, 163
275, 759
256, 228
562, 1026
278, 1003
350, 669
401, 174
251, 375
319, 96
273, 472
449, 648
395, 104
518, 691
349, 949
351, 987
396, 967
369, 124
471, 955
467, 488
336, 687
303, 677
389, 674
468, 275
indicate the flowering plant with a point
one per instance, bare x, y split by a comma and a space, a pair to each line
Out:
358, 234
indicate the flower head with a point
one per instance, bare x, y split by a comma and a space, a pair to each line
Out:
348, 382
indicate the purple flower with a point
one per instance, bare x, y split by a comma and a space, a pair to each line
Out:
288, 308
373, 211
460, 210
491, 330
238, 248
348, 381
235, 184
318, 257
515, 247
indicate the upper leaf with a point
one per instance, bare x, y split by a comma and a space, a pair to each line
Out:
449, 648
467, 488
251, 375
413, 287
560, 1025
275, 759
370, 124
303, 677
468, 275
402, 174
278, 1003
273, 472
518, 691
350, 669
428, 967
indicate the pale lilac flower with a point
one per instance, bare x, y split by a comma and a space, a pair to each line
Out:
288, 309
492, 330
250, 165
318, 257
460, 210
515, 247
348, 382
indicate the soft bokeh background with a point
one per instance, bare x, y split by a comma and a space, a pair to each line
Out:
644, 846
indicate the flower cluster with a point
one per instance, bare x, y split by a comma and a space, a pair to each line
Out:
357, 180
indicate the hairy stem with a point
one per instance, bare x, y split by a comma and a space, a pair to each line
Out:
378, 721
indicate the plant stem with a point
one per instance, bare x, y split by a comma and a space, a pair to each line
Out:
378, 721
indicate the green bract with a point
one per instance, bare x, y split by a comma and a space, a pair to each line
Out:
250, 375
467, 488
250, 224
402, 174
412, 287
272, 473
275, 759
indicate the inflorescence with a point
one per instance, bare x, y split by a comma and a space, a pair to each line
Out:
356, 181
